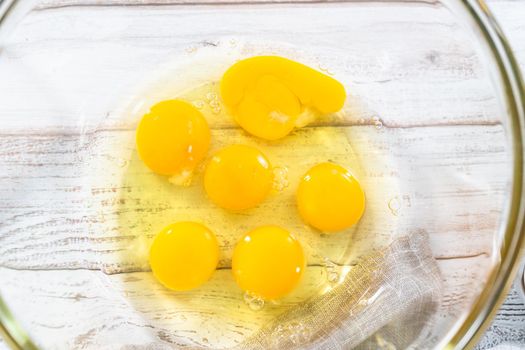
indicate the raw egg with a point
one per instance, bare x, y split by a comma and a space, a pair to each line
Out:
330, 198
184, 255
267, 94
238, 177
173, 137
268, 262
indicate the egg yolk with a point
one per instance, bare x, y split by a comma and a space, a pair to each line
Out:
330, 198
266, 94
268, 262
238, 177
173, 137
184, 255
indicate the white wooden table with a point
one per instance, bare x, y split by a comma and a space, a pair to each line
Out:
509, 325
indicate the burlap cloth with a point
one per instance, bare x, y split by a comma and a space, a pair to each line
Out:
386, 301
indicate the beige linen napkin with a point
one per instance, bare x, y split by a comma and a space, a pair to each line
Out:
385, 302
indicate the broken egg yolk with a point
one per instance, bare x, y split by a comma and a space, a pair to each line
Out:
330, 198
173, 137
267, 94
184, 255
268, 262
238, 177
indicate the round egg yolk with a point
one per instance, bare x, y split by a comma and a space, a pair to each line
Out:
173, 137
238, 177
184, 255
268, 262
266, 94
330, 198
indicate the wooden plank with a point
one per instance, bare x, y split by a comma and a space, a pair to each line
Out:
107, 307
153, 60
77, 220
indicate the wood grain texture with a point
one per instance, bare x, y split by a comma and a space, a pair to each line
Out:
428, 61
508, 327
77, 207
130, 202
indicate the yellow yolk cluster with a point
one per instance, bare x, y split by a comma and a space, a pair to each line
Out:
184, 255
173, 137
266, 94
238, 177
268, 262
330, 198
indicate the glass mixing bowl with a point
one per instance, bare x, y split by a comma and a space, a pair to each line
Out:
434, 115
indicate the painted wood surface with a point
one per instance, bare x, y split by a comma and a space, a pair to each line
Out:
92, 266
508, 328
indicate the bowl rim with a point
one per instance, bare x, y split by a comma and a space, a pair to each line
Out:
513, 243
513, 235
